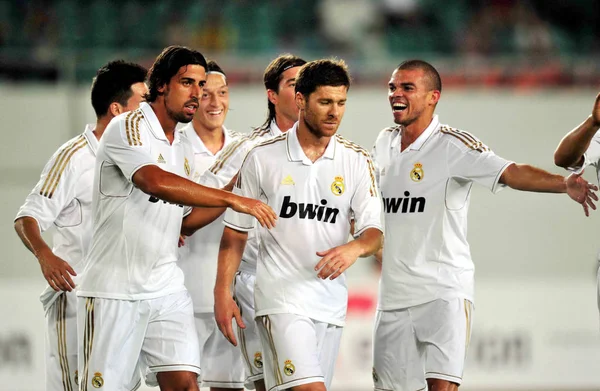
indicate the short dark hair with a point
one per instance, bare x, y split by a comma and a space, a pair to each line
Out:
167, 65
212, 66
326, 72
435, 81
113, 82
273, 75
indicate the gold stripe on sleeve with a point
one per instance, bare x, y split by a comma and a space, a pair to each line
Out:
50, 191
63, 155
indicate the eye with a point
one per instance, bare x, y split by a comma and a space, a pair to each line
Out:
204, 96
185, 82
392, 88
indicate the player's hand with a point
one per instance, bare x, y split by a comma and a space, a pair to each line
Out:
225, 311
57, 272
596, 111
263, 212
582, 191
336, 260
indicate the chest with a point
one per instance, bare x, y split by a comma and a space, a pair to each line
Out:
176, 158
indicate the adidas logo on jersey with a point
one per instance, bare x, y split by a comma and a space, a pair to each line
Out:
161, 159
288, 180
406, 204
289, 209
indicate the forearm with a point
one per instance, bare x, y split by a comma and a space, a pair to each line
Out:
230, 257
369, 242
200, 218
29, 232
571, 148
529, 178
173, 188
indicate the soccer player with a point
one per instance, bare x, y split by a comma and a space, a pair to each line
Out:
426, 171
318, 181
133, 308
221, 363
580, 148
63, 198
280, 80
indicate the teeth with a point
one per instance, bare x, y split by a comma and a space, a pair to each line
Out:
215, 112
399, 106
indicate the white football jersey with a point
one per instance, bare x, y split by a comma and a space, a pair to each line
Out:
315, 203
198, 257
63, 198
426, 190
134, 248
226, 166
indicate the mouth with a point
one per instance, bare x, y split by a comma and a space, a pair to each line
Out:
398, 107
190, 108
215, 112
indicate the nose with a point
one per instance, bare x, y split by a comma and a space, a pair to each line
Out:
334, 111
196, 91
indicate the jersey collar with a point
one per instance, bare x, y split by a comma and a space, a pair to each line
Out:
295, 151
155, 127
418, 143
274, 129
196, 141
90, 137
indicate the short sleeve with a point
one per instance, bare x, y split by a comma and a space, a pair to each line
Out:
56, 188
366, 204
126, 147
591, 156
229, 162
247, 185
476, 162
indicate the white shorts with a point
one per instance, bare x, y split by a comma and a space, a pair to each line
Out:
428, 341
61, 343
248, 338
298, 350
221, 362
118, 339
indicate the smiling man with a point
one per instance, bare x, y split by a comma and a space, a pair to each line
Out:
317, 180
426, 171
222, 364
133, 309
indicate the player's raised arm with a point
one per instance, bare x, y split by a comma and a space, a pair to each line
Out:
571, 149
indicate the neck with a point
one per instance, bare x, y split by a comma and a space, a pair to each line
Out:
412, 131
101, 125
167, 123
313, 146
213, 139
283, 123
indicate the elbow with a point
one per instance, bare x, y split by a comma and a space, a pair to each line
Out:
560, 161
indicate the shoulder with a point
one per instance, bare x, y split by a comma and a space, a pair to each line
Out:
351, 147
461, 139
266, 146
72, 151
386, 135
233, 134
127, 127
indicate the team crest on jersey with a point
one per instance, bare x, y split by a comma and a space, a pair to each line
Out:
258, 363
288, 180
76, 378
338, 187
186, 167
289, 368
417, 173
97, 380
375, 377
161, 159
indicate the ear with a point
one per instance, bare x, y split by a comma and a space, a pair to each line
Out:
300, 102
115, 109
272, 96
434, 97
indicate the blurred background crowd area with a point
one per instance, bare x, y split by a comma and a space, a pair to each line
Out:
473, 42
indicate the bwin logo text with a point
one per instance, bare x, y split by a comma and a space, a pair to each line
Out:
409, 205
308, 211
